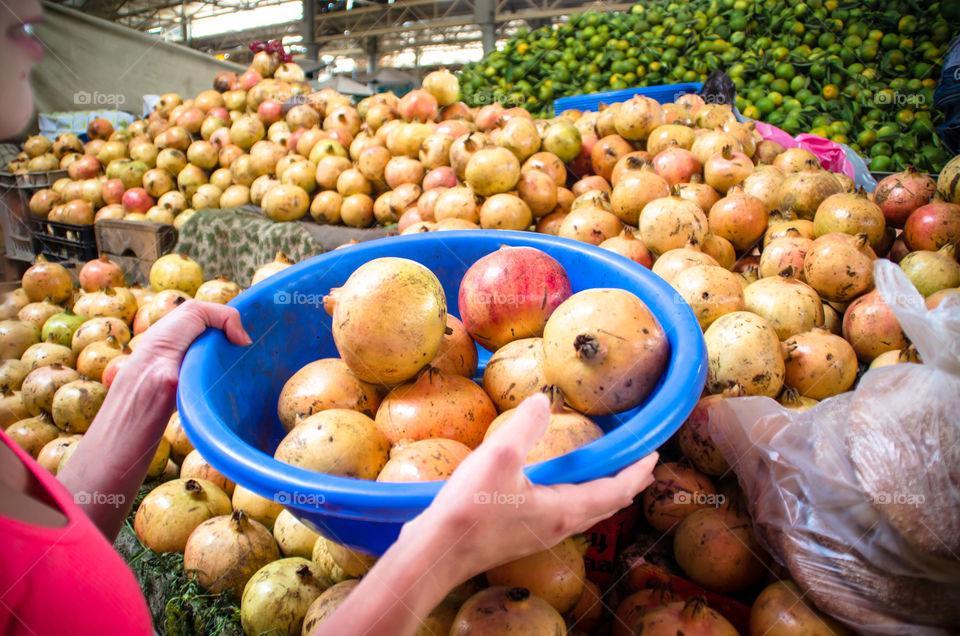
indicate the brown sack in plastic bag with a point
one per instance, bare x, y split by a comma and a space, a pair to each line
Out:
859, 496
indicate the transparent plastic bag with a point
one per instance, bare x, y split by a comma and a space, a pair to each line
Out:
859, 497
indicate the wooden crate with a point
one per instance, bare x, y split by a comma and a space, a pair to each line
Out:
135, 245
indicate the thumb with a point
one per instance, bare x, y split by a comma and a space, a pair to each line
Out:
527, 424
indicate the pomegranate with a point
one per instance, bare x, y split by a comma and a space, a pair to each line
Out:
780, 610
819, 364
566, 432
784, 256
376, 350
725, 169
678, 490
779, 226
720, 249
457, 203
638, 117
933, 300
932, 226
674, 261
400, 170
710, 142
743, 349
590, 224
163, 303
12, 302
423, 460
418, 105
171, 511
44, 279
699, 193
850, 213
870, 326
37, 314
325, 384
86, 167
630, 162
803, 192
932, 271
113, 368
293, 537
458, 351
337, 442
689, 617
634, 191
99, 329
790, 305
632, 608
605, 350
491, 171
538, 191
628, 245
76, 403
94, 358
439, 177
43, 201
898, 195
671, 222
463, 148
60, 327
710, 291
33, 433
903, 356
514, 372
42, 354
839, 266
606, 152
277, 596
501, 610
694, 438
670, 136
176, 271
676, 165
436, 405
285, 203
590, 183
563, 140
330, 167
739, 218
764, 184
435, 150
556, 574
488, 116
219, 290
505, 212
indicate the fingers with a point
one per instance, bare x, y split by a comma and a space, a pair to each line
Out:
600, 498
526, 425
222, 317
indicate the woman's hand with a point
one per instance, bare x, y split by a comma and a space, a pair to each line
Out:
498, 515
173, 334
486, 514
114, 455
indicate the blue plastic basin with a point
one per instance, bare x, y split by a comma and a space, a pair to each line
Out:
227, 395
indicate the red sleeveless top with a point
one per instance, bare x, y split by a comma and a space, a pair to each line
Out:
66, 580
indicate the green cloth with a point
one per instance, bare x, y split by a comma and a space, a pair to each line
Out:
236, 241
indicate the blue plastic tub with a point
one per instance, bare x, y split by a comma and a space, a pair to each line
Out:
227, 395
664, 94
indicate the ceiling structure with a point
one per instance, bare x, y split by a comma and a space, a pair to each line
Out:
361, 29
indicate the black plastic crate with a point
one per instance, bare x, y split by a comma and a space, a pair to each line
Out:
64, 241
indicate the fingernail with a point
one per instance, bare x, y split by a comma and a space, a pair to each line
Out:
247, 341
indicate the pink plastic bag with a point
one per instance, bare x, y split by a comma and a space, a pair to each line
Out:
831, 155
859, 497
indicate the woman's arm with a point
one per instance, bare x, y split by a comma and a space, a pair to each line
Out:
112, 459
488, 513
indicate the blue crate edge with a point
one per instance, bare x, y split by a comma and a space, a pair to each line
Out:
663, 93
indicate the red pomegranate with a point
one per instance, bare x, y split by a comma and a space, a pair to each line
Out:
510, 293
